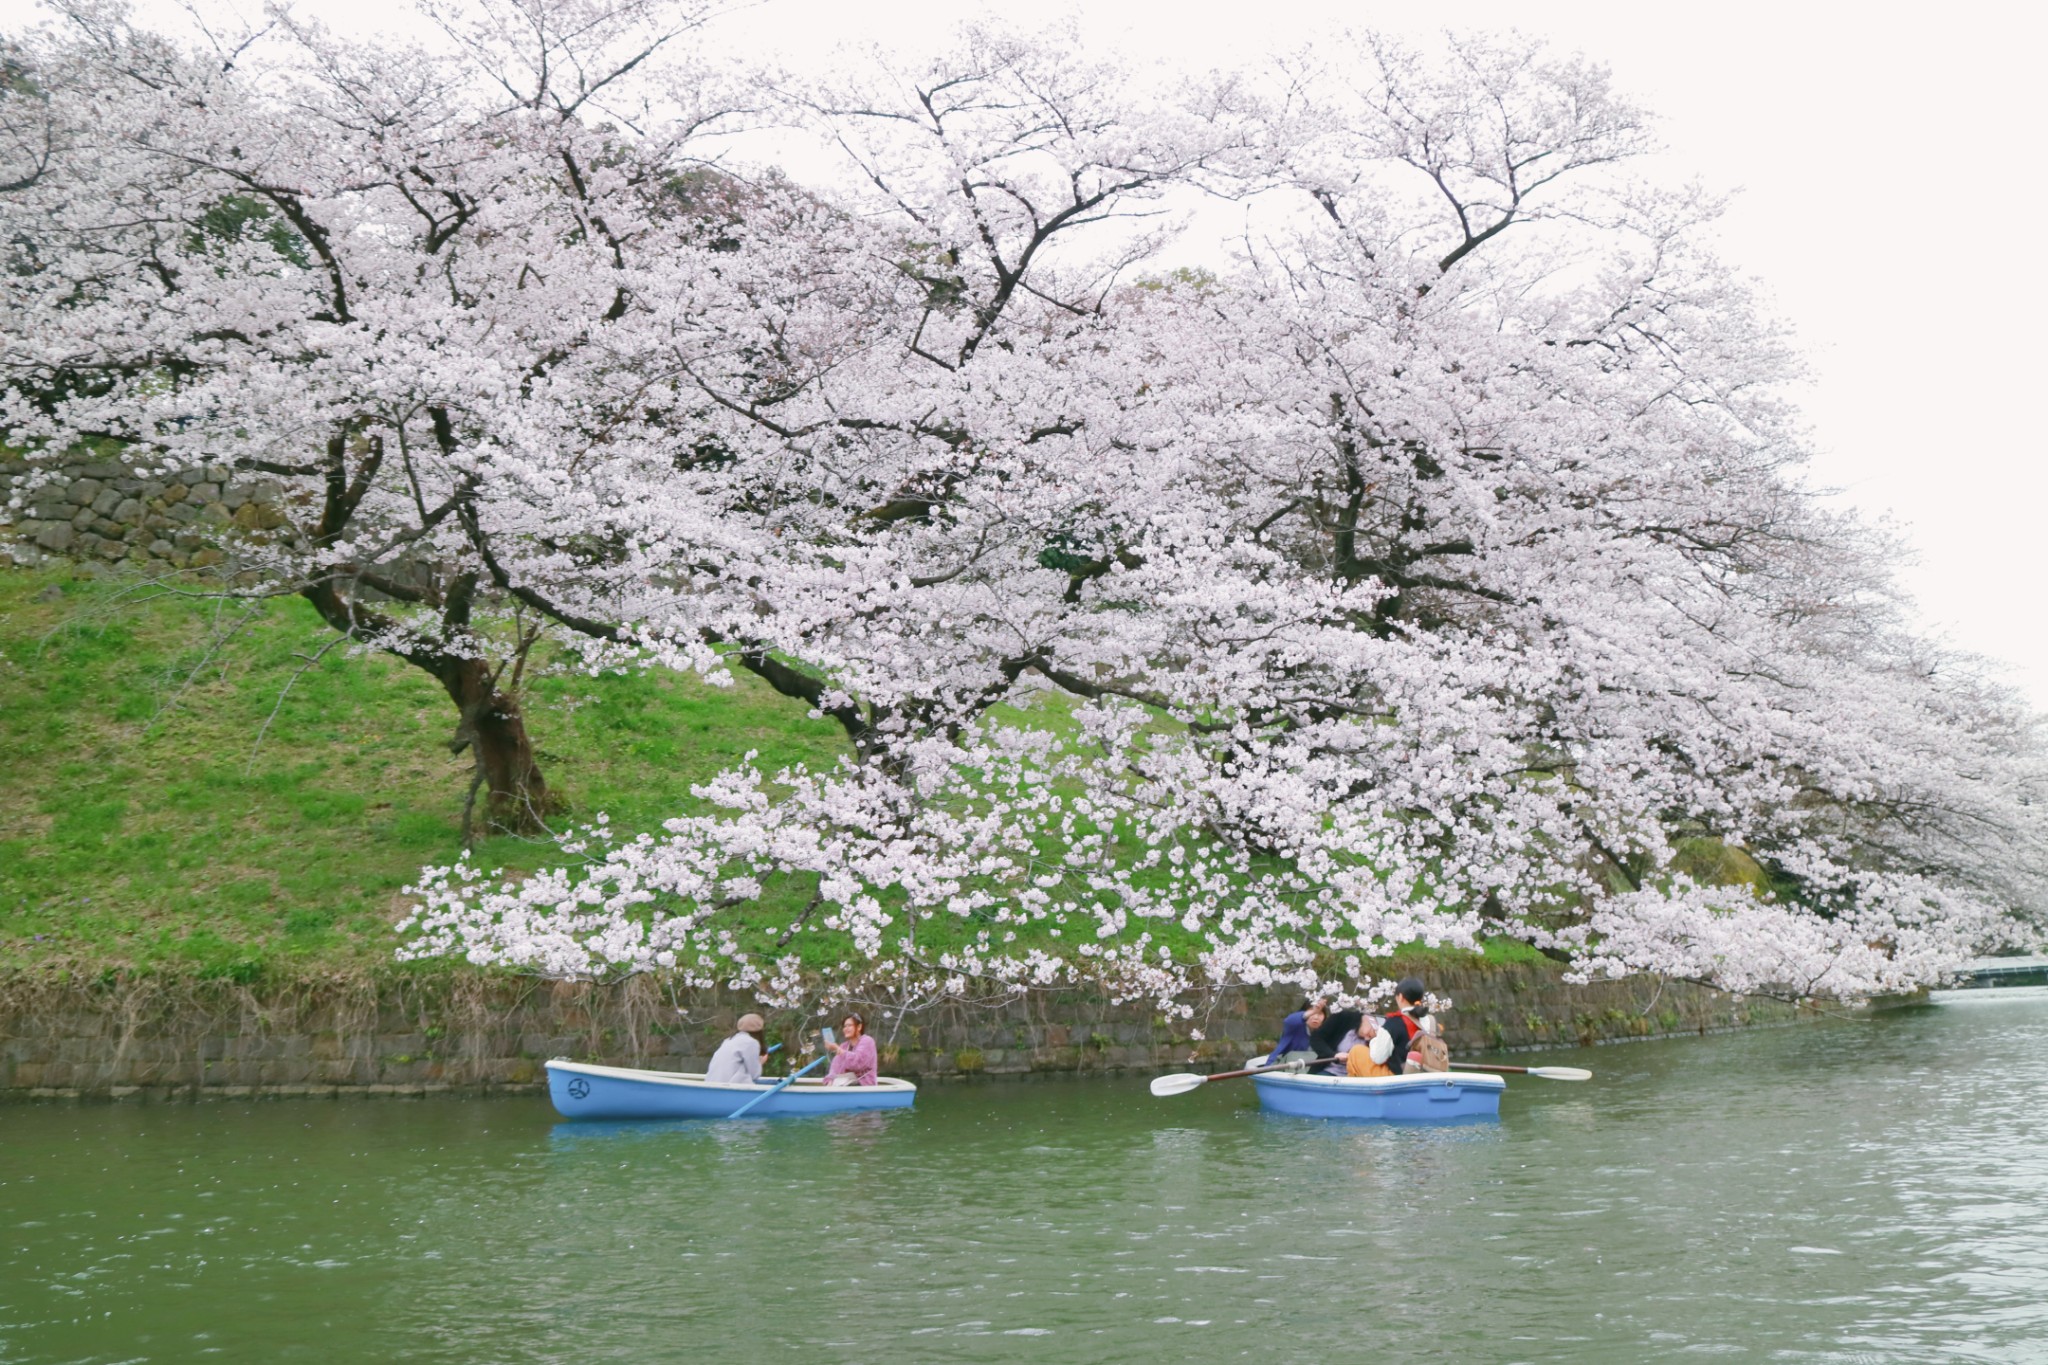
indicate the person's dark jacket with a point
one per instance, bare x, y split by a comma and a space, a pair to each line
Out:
1325, 1039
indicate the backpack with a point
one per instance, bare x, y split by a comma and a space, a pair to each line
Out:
1426, 1052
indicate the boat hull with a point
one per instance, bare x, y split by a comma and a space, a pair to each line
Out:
1427, 1097
582, 1090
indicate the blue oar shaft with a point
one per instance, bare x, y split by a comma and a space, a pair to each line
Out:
778, 1087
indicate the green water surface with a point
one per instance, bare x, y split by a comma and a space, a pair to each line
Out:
1860, 1191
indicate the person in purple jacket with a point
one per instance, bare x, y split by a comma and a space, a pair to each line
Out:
854, 1062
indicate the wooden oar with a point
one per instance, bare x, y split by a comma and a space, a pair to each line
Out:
1548, 1073
1182, 1082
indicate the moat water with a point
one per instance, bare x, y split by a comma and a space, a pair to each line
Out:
1857, 1191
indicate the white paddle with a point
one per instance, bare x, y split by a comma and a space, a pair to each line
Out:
1182, 1082
1548, 1073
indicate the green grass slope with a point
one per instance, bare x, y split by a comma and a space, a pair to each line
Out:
173, 803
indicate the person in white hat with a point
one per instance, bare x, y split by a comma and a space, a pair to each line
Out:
738, 1059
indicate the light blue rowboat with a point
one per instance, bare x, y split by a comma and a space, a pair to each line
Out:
581, 1090
1423, 1097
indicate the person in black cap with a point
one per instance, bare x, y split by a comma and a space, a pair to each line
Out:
1390, 1045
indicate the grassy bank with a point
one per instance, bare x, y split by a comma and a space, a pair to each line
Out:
190, 792
173, 801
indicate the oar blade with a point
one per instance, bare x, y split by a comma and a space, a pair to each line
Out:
1561, 1073
1177, 1084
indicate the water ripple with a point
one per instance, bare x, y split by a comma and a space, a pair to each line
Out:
1837, 1193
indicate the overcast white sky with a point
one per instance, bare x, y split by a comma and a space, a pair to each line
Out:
1888, 160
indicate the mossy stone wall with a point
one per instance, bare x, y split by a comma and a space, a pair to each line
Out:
164, 1038
93, 509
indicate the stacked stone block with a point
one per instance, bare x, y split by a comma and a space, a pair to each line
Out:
101, 510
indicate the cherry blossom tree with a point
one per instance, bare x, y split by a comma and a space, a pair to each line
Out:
1434, 563
1441, 570
374, 276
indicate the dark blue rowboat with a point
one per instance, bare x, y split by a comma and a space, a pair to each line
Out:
581, 1090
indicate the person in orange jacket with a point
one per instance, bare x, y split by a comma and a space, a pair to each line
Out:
1359, 1061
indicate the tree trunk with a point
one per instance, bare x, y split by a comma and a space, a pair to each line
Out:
490, 725
516, 794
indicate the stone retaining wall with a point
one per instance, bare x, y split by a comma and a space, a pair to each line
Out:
97, 509
412, 1037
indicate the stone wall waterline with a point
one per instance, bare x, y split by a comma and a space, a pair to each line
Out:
160, 1039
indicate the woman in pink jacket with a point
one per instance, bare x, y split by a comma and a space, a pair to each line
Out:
854, 1061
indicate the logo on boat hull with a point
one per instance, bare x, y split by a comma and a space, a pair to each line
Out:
579, 1088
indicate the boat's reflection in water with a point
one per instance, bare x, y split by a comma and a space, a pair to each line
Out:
857, 1128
